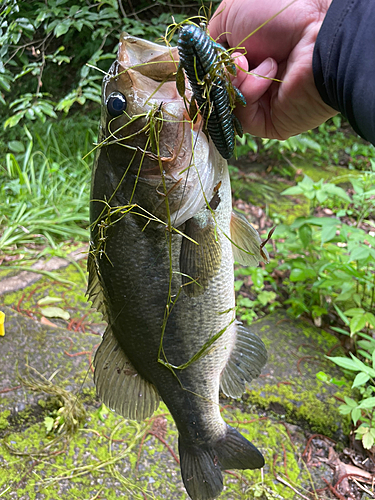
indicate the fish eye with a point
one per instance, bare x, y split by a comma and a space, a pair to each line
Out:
116, 104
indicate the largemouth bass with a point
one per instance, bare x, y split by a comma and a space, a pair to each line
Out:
163, 241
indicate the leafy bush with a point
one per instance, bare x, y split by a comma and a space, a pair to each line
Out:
329, 274
50, 52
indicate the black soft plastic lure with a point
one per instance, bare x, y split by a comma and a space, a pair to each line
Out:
207, 71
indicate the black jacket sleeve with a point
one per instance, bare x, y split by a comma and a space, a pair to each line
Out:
344, 63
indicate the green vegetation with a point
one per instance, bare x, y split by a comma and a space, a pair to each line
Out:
324, 269
322, 263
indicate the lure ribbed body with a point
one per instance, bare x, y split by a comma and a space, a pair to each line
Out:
197, 54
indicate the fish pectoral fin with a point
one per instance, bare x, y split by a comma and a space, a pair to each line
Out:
245, 363
95, 292
199, 259
119, 385
246, 242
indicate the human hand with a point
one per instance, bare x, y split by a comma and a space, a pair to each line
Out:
282, 49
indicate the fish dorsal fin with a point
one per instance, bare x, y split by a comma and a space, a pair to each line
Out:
119, 385
245, 363
200, 261
245, 237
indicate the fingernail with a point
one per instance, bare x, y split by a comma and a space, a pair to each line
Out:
265, 68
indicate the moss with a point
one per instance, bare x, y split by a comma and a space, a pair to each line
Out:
280, 453
106, 459
289, 386
301, 404
319, 171
4, 423
73, 298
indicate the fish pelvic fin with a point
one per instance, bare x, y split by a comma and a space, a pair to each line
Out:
119, 385
245, 363
246, 242
200, 471
199, 259
201, 467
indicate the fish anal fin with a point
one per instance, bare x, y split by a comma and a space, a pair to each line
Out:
199, 259
119, 385
247, 249
245, 363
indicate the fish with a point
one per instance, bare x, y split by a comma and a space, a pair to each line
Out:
208, 75
162, 245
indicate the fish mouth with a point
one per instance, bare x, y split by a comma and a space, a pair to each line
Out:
154, 142
149, 59
156, 123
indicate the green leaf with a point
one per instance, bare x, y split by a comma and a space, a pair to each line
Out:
292, 190
302, 274
45, 301
363, 366
328, 232
48, 423
257, 277
12, 121
321, 196
370, 318
350, 402
354, 311
323, 377
342, 315
367, 440
55, 312
362, 429
367, 403
360, 252
62, 28
266, 297
245, 302
357, 323
345, 409
237, 285
360, 379
305, 234
16, 146
346, 363
356, 415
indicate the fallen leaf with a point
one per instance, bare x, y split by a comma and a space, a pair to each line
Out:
46, 301
55, 312
47, 322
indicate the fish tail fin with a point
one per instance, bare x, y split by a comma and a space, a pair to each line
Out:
201, 467
236, 452
200, 471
